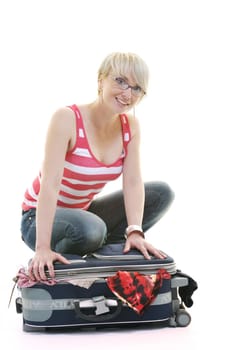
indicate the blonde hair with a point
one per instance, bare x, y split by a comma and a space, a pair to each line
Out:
124, 64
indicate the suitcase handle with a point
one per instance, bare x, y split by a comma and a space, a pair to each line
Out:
102, 312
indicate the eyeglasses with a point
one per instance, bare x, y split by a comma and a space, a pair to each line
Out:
123, 85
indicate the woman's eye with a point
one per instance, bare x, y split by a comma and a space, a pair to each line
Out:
120, 81
137, 89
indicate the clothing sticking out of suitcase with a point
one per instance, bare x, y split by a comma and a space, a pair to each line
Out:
107, 288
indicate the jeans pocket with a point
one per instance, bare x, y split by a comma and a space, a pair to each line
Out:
28, 219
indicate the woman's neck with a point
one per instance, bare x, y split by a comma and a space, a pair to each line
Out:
100, 116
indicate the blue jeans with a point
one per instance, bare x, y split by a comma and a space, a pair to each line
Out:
80, 232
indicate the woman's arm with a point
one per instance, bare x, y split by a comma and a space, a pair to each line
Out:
134, 195
58, 140
133, 186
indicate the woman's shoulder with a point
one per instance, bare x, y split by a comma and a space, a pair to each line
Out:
64, 113
63, 119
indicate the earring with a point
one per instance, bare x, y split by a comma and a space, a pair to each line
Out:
100, 90
100, 95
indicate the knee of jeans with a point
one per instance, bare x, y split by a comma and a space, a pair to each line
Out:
91, 236
168, 192
163, 190
83, 243
95, 237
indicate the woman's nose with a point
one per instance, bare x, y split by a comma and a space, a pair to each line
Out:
127, 93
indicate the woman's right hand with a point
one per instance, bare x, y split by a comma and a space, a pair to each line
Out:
43, 260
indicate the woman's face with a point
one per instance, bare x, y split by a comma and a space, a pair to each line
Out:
120, 91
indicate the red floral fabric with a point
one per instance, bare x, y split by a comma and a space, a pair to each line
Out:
135, 289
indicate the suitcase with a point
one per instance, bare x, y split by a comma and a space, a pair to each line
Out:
81, 294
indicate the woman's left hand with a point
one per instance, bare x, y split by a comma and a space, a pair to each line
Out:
136, 241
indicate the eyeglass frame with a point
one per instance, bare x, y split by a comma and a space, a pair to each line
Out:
128, 86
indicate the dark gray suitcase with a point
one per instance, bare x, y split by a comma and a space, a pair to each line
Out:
81, 296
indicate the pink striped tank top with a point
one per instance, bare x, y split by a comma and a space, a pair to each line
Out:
84, 176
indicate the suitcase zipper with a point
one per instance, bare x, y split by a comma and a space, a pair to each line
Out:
107, 271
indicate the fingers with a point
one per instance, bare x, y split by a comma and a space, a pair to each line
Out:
63, 259
51, 270
153, 251
127, 246
139, 246
159, 254
37, 270
145, 252
144, 247
39, 265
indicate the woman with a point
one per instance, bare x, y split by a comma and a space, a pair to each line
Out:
87, 146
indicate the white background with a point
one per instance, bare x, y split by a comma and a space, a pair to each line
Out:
50, 53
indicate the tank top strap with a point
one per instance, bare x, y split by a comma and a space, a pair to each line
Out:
81, 137
125, 130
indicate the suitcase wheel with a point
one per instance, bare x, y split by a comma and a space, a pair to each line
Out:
182, 318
